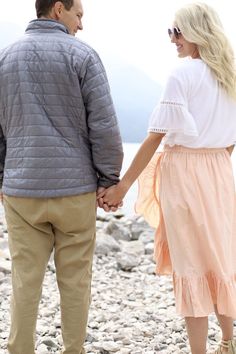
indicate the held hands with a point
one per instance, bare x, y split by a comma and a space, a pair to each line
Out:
110, 199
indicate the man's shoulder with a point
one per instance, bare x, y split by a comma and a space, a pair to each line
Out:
82, 46
8, 49
55, 43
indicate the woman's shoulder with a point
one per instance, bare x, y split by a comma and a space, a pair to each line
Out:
188, 68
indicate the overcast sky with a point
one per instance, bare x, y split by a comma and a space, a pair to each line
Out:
133, 30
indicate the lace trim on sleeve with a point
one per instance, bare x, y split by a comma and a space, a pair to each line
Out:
172, 118
172, 103
157, 130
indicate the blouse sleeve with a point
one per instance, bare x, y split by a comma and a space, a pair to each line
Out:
171, 115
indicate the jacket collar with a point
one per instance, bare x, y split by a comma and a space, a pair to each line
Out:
45, 25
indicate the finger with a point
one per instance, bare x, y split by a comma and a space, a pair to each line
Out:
113, 208
100, 202
100, 195
106, 207
108, 201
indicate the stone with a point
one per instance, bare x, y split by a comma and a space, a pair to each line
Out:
127, 261
5, 266
105, 244
147, 236
42, 349
133, 247
118, 231
110, 346
49, 343
149, 248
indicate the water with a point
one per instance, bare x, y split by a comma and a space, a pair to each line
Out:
130, 150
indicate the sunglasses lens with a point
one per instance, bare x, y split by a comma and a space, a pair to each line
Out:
176, 33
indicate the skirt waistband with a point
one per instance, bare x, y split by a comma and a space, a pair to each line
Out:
179, 148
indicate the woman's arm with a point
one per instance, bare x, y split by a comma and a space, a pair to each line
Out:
141, 159
114, 195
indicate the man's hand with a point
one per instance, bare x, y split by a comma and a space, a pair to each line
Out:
1, 196
105, 206
100, 202
114, 195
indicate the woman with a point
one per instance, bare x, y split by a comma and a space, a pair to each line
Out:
188, 191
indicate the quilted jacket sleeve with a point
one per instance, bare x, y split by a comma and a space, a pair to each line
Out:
104, 134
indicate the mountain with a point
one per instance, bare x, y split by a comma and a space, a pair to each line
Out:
134, 93
135, 96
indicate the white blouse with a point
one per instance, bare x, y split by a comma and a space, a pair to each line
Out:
194, 110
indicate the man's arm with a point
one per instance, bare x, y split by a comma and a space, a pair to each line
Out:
104, 133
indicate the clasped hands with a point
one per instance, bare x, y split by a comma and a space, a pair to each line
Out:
110, 199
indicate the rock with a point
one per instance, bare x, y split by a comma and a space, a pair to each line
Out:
147, 236
176, 327
49, 343
42, 349
127, 261
5, 266
118, 231
93, 325
110, 346
133, 247
105, 244
137, 228
124, 351
149, 248
118, 214
2, 277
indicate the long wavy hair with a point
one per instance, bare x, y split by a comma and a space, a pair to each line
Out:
200, 24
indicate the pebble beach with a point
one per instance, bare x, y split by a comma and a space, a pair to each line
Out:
132, 309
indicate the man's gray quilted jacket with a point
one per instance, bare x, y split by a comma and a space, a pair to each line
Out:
59, 134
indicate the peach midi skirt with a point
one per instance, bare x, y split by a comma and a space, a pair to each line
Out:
188, 195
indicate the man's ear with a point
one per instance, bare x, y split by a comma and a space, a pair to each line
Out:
57, 9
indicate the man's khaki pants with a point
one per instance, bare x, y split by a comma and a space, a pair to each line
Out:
36, 227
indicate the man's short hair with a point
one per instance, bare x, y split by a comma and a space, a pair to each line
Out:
43, 7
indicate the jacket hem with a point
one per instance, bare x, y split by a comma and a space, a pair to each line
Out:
28, 193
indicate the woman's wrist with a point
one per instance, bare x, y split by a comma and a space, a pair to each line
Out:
124, 185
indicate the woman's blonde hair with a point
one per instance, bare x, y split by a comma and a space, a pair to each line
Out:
200, 24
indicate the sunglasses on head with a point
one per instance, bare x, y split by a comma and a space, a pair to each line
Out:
174, 31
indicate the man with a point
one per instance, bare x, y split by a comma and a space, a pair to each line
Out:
59, 144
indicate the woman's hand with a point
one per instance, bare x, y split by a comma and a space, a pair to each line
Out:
112, 196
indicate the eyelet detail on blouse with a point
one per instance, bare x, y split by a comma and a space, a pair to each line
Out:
172, 103
157, 130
